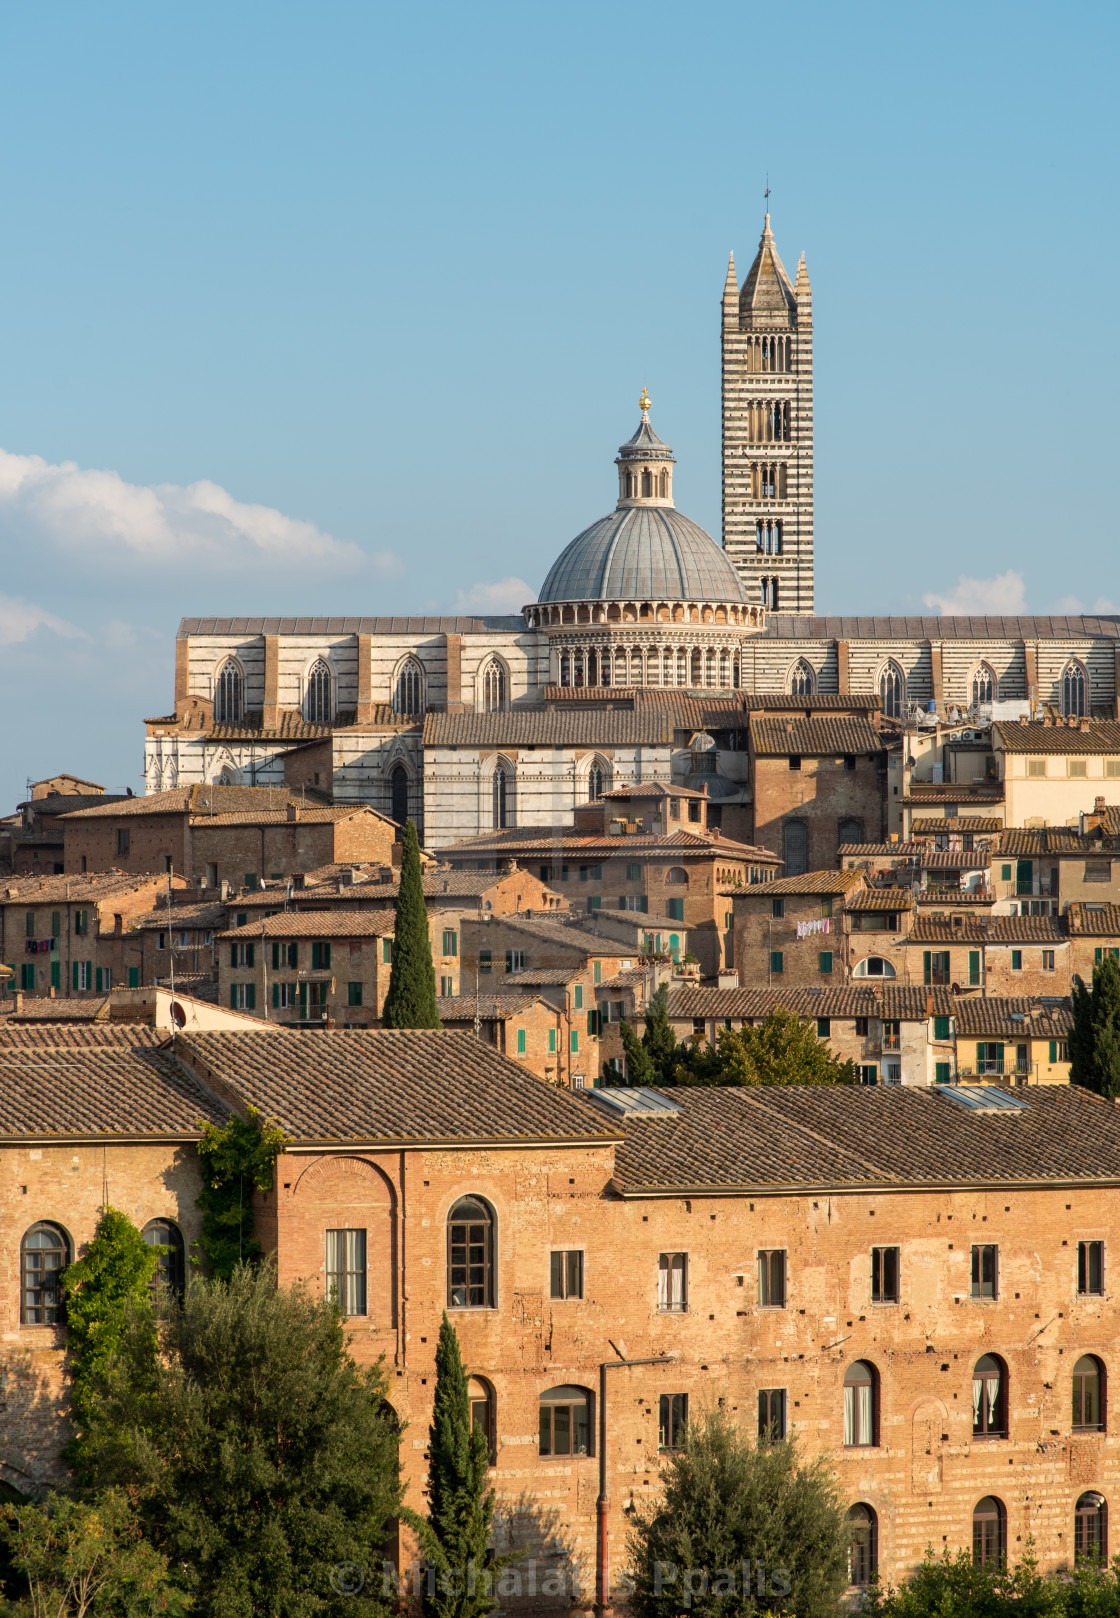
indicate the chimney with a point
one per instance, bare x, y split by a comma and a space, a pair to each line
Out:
929, 1005
293, 811
19, 999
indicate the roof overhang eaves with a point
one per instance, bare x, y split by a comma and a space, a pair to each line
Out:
849, 1188
297, 1146
141, 1137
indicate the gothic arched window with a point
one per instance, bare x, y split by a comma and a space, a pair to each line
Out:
802, 681
764, 590
983, 685
319, 707
1073, 691
499, 792
663, 485
647, 485
892, 690
493, 686
398, 794
408, 693
229, 694
594, 782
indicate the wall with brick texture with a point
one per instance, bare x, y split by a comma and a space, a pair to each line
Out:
821, 793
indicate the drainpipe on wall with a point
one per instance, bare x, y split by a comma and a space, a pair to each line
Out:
602, 1533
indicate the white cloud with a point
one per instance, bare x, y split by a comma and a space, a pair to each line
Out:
1006, 593
75, 510
502, 596
19, 620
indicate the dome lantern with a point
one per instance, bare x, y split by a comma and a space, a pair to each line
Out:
645, 466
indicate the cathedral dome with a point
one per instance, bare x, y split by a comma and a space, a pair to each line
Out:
645, 549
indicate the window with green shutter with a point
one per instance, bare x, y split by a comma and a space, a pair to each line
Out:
81, 922
320, 957
675, 909
1005, 873
826, 961
353, 994
824, 1027
521, 1042
594, 901
941, 1028
485, 960
56, 976
276, 996
597, 972
633, 873
56, 923
578, 993
552, 1042
575, 1042
776, 962
1016, 960
943, 1072
450, 941
27, 976
973, 968
133, 977
29, 924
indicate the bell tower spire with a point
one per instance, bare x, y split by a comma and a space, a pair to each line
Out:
767, 343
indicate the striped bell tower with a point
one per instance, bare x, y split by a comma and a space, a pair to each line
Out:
768, 430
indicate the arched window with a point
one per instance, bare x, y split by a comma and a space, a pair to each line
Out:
983, 685
398, 794
44, 1254
795, 847
989, 1532
499, 794
565, 1421
697, 668
892, 690
989, 1398
594, 782
408, 693
493, 687
171, 1270
592, 669
1088, 1395
710, 667
802, 681
676, 873
565, 669
229, 694
863, 1544
764, 590
724, 670
484, 1414
682, 666
1090, 1529
605, 669
773, 595
470, 1255
663, 484
849, 831
1073, 691
319, 706
647, 484
859, 1406
873, 966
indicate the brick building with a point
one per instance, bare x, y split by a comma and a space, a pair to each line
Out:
378, 888
532, 1031
819, 781
243, 836
73, 934
176, 941
791, 929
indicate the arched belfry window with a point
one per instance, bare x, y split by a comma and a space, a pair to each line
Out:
802, 681
494, 687
44, 1254
1074, 703
229, 694
319, 706
408, 692
470, 1255
892, 691
500, 796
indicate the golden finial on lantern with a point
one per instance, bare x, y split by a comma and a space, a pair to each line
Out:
644, 401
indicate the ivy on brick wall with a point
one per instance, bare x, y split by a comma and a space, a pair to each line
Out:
236, 1159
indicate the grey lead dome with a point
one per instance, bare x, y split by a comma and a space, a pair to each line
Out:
642, 552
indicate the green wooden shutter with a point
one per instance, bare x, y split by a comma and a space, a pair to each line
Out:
552, 1042
942, 1072
1053, 1050
233, 997
927, 965
133, 977
56, 975
521, 1042
233, 954
826, 961
75, 974
276, 995
575, 1043
250, 997
973, 967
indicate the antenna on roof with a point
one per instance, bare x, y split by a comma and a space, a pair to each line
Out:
171, 954
766, 193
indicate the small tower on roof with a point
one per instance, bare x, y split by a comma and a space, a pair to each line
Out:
767, 341
645, 465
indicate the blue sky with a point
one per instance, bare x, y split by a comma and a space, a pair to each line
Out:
346, 308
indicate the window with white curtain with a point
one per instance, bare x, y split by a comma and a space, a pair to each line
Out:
859, 1406
346, 1270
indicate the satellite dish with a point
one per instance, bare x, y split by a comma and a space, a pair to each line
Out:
956, 988
178, 1015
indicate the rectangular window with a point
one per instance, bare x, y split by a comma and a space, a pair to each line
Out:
567, 1273
1112, 767
543, 869
320, 957
565, 1428
861, 1027
1016, 960
29, 924
943, 1073
985, 1271
935, 964
578, 994
826, 962
1098, 870
575, 1043
83, 974
346, 1270
772, 1278
1078, 769
56, 923
794, 761
772, 1413
241, 954
884, 1274
101, 979
515, 960
243, 997
869, 1073
1059, 1050
485, 961
1090, 1268
777, 908
776, 961
387, 955
552, 1042
353, 994
826, 907
973, 967
1036, 767
1005, 873
81, 922
285, 996
27, 976
133, 976
941, 1028
450, 941
521, 1042
633, 872
675, 909
122, 840
597, 972
672, 1418
672, 1282
824, 1027
446, 986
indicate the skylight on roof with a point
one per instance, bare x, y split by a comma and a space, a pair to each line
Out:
636, 1102
983, 1098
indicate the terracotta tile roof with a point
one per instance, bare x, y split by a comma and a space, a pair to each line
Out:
953, 860
392, 1085
317, 924
902, 1001
955, 792
822, 702
318, 814
1081, 736
1035, 842
809, 1135
880, 899
42, 1009
102, 1036
566, 933
545, 977
204, 800
952, 897
989, 930
899, 851
1006, 1017
549, 728
61, 1087
772, 736
525, 843
182, 916
649, 789
461, 1007
809, 882
945, 826
89, 888
289, 725
1095, 921
65, 803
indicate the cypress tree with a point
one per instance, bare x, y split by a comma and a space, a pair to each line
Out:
411, 1001
659, 1039
639, 1068
460, 1505
1094, 1041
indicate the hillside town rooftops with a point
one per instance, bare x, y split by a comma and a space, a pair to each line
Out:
1074, 736
814, 737
826, 882
316, 924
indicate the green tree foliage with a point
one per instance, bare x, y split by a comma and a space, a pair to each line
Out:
460, 1501
1094, 1041
725, 1503
951, 1586
235, 1160
86, 1557
639, 1068
411, 1000
782, 1049
263, 1458
107, 1284
659, 1039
